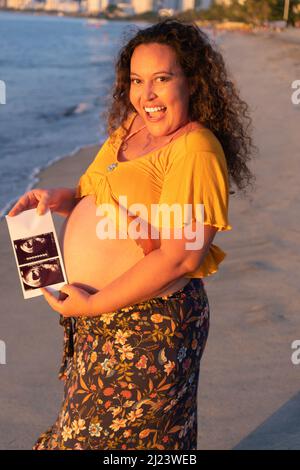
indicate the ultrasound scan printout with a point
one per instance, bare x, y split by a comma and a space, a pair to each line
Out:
37, 253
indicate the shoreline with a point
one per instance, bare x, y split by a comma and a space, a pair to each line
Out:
40, 173
67, 175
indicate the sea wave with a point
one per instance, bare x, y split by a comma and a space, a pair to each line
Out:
73, 110
78, 109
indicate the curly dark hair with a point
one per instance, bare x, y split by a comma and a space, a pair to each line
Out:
215, 100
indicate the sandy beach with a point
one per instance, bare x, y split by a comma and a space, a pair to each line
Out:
246, 372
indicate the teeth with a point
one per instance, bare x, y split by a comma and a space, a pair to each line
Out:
154, 110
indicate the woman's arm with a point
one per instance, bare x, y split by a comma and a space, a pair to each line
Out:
148, 276
141, 282
152, 273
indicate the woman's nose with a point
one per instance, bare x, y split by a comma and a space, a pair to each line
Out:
148, 92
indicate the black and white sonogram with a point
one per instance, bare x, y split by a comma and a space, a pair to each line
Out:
37, 252
35, 248
41, 274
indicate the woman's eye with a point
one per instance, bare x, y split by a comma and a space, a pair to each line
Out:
162, 79
137, 81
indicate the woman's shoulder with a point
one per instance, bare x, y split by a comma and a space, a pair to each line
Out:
202, 139
198, 143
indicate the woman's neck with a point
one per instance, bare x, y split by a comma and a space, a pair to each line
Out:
155, 141
168, 137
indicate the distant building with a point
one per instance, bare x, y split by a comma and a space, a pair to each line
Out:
126, 6
140, 6
18, 4
22, 4
96, 6
227, 3
64, 6
183, 5
187, 5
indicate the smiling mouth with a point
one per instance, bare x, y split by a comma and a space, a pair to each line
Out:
155, 112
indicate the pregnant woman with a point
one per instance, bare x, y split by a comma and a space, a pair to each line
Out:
135, 311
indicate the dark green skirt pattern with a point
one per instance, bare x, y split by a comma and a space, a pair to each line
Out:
131, 376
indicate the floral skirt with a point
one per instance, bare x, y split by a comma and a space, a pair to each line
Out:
131, 376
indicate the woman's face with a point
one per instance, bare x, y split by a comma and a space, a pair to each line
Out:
158, 81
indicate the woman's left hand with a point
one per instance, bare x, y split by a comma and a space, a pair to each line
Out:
76, 304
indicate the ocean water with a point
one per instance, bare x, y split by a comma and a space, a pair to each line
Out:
58, 73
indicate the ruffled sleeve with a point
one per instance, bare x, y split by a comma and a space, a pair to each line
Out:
88, 182
198, 178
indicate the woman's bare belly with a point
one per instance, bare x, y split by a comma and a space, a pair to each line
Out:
92, 263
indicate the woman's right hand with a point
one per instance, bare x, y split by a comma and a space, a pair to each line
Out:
60, 200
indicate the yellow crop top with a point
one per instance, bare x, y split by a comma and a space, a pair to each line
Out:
190, 169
